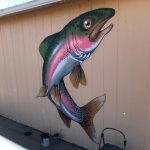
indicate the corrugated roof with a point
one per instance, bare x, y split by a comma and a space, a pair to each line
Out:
27, 6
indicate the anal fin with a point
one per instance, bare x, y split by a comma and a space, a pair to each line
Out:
64, 118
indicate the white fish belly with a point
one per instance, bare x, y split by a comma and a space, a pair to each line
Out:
64, 68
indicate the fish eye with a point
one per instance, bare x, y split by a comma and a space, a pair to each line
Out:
87, 24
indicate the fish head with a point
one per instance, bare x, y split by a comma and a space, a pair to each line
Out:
86, 32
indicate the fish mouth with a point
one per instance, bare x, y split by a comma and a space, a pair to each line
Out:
98, 32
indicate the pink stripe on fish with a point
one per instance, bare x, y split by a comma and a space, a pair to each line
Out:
77, 45
58, 57
66, 102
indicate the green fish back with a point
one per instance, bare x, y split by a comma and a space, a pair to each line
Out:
45, 47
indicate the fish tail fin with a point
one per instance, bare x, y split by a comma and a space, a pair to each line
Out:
90, 110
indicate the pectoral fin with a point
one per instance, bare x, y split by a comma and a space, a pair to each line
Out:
64, 118
77, 76
55, 94
83, 78
42, 91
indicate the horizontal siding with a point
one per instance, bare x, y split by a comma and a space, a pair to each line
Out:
119, 67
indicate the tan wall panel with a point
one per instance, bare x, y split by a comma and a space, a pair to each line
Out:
132, 71
119, 67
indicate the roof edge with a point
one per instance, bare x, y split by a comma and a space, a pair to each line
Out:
27, 6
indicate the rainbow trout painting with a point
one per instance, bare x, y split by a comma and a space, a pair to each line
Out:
63, 53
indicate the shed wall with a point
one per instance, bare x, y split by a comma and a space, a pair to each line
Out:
119, 67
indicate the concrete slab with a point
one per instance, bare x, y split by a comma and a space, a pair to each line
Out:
15, 133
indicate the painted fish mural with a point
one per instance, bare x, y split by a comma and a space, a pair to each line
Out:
63, 53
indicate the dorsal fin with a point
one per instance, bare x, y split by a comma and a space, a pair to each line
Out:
42, 91
46, 44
